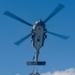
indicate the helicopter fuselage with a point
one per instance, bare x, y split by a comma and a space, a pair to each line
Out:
38, 34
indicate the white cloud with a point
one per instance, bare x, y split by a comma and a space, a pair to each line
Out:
17, 74
70, 71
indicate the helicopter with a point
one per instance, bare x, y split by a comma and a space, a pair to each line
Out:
38, 33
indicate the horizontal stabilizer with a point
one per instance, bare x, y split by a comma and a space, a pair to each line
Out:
36, 63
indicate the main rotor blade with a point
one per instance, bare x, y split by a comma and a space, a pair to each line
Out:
58, 35
16, 17
22, 40
57, 9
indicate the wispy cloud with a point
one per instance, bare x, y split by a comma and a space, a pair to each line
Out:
70, 71
17, 74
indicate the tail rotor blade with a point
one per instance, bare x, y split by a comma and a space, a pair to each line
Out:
57, 9
23, 39
16, 17
58, 35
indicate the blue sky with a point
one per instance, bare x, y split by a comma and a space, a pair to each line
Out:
59, 54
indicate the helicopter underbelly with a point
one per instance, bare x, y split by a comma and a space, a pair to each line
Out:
39, 37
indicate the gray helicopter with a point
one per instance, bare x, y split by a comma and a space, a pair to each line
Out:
38, 33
